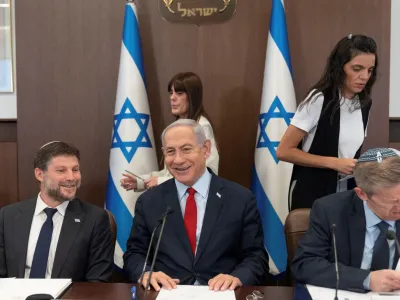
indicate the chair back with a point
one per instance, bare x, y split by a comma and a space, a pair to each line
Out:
117, 276
296, 225
113, 226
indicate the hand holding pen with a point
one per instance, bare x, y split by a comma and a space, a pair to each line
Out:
134, 175
129, 182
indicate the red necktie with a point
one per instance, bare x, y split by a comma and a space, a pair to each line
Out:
190, 218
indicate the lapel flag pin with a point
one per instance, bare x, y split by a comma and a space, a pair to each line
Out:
77, 220
218, 195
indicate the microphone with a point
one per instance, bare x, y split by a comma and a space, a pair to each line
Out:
162, 222
390, 235
167, 213
163, 217
333, 231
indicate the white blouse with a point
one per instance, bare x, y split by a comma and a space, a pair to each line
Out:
351, 135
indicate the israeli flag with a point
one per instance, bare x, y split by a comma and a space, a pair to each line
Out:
132, 146
271, 177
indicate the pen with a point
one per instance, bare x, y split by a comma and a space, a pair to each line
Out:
134, 175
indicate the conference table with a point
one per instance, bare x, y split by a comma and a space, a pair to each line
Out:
122, 291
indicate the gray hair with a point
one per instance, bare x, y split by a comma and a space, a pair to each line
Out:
196, 127
373, 175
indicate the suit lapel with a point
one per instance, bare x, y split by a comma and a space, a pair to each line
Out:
22, 226
175, 220
214, 204
396, 252
357, 224
73, 220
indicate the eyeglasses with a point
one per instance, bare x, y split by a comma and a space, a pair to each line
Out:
255, 295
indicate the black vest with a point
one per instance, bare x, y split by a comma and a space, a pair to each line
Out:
313, 183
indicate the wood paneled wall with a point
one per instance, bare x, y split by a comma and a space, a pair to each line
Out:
68, 57
8, 173
8, 163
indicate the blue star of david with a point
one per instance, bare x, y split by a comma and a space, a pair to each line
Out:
276, 111
130, 147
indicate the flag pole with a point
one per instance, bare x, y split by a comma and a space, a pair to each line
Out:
271, 177
132, 140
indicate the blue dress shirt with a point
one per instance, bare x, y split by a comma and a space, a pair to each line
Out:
371, 234
202, 187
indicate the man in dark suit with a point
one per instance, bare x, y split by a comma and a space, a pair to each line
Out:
213, 235
56, 235
363, 217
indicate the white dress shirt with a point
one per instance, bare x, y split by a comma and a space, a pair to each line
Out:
39, 217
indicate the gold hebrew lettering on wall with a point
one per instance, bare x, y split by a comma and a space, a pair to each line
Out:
197, 12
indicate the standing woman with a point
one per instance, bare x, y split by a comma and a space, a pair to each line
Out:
186, 96
325, 136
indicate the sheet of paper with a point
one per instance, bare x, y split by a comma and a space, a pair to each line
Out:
17, 289
4, 282
194, 292
320, 293
384, 297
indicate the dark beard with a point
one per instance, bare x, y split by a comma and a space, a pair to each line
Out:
58, 196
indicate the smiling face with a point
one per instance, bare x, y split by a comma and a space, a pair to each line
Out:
358, 71
179, 103
61, 180
184, 157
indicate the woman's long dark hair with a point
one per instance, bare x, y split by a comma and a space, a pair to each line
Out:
333, 78
190, 83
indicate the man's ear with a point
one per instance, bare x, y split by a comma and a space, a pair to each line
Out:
39, 174
207, 148
361, 194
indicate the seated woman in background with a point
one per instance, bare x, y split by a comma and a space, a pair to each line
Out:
186, 95
325, 136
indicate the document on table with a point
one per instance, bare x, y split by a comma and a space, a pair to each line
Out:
320, 293
4, 282
194, 292
395, 295
384, 297
16, 289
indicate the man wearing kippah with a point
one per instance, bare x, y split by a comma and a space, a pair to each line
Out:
366, 220
54, 234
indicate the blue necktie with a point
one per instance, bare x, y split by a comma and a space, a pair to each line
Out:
39, 262
380, 256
